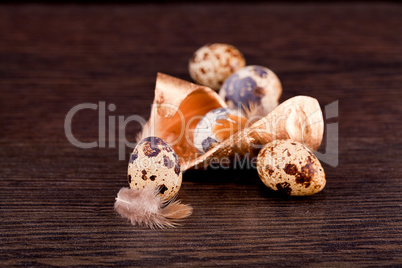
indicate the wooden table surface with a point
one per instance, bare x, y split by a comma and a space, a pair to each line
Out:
56, 200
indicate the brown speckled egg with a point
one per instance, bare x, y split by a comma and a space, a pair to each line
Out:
154, 163
291, 168
212, 64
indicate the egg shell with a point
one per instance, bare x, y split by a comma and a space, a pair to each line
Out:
254, 84
290, 168
216, 126
154, 163
212, 64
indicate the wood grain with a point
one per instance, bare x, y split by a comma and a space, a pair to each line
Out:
56, 202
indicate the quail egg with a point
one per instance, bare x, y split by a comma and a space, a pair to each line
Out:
216, 126
251, 86
290, 168
154, 163
212, 64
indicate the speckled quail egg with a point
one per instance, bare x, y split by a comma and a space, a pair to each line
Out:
154, 163
216, 126
290, 168
212, 64
252, 85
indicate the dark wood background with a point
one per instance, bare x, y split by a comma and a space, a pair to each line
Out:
56, 200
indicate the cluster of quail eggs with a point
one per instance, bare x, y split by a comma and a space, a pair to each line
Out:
285, 166
244, 88
222, 67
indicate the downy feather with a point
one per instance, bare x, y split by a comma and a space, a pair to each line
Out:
144, 207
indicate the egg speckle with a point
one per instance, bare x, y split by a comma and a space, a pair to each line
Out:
290, 168
154, 163
212, 64
252, 85
216, 126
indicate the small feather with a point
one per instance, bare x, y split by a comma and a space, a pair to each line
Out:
144, 207
177, 211
253, 112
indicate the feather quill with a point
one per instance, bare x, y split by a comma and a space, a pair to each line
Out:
144, 207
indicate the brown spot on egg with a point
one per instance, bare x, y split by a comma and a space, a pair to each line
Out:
134, 156
162, 188
202, 70
284, 188
153, 140
177, 169
270, 171
152, 178
144, 175
150, 152
150, 146
287, 152
176, 158
167, 162
303, 179
306, 174
227, 63
290, 169
293, 143
259, 92
232, 68
168, 149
